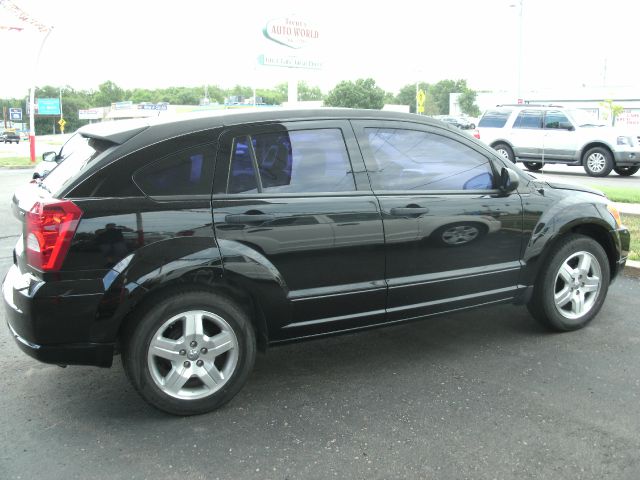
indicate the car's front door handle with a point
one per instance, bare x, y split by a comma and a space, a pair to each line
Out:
403, 211
249, 218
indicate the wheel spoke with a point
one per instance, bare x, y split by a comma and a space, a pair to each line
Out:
563, 297
219, 344
210, 375
193, 326
577, 303
166, 348
176, 378
591, 284
566, 273
584, 264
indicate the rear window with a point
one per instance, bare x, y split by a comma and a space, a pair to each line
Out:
76, 155
494, 119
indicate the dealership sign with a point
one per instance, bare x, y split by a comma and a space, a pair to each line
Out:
289, 61
291, 31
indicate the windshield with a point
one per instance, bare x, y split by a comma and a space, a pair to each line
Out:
585, 118
75, 155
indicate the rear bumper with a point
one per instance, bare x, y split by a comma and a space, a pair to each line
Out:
52, 329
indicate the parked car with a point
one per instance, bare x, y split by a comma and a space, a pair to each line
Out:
539, 134
467, 123
187, 244
10, 136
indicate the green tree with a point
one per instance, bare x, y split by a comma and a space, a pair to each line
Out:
309, 93
407, 96
467, 102
363, 93
108, 93
441, 90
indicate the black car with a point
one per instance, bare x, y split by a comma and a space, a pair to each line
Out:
188, 244
9, 136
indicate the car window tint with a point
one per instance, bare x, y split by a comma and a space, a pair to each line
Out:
183, 173
529, 119
555, 119
296, 161
494, 118
415, 160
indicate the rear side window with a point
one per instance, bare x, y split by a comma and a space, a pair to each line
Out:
188, 172
529, 119
555, 119
296, 161
414, 160
494, 118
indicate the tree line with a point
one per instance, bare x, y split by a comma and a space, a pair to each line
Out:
361, 93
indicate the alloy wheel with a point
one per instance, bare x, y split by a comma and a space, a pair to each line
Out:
577, 285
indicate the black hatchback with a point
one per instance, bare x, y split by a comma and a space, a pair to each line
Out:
188, 244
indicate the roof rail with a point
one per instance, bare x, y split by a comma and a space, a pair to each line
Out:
529, 105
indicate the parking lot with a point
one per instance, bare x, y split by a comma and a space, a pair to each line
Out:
481, 394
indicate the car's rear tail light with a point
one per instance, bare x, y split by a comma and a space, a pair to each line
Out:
476, 133
51, 225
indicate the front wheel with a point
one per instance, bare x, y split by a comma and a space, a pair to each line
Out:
571, 285
597, 162
625, 171
189, 353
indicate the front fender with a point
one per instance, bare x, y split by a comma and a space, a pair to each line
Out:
568, 214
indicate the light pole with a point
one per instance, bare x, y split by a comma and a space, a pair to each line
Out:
32, 101
519, 86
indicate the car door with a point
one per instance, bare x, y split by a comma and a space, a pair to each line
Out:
527, 134
292, 201
560, 136
452, 239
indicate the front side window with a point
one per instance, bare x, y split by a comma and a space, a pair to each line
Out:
529, 119
414, 160
555, 120
297, 161
184, 173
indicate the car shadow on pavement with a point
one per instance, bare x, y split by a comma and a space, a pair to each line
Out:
334, 368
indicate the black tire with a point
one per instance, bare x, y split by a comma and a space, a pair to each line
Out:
148, 325
458, 233
625, 171
550, 283
597, 162
533, 166
505, 151
472, 126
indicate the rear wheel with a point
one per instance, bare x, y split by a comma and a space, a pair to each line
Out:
597, 162
625, 171
505, 151
533, 166
190, 353
572, 284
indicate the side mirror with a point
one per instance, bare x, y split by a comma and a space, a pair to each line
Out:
49, 156
509, 180
566, 126
36, 176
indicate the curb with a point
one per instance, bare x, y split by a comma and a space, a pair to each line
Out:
632, 269
16, 167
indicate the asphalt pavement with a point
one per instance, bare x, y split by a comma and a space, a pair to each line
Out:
485, 394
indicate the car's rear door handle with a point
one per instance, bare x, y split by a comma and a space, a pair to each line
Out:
249, 218
409, 210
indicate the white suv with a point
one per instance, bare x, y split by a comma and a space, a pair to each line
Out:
539, 134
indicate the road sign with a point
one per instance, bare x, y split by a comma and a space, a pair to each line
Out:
48, 106
421, 96
15, 114
62, 123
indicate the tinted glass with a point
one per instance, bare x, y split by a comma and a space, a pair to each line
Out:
556, 119
414, 160
183, 173
529, 119
494, 118
297, 161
